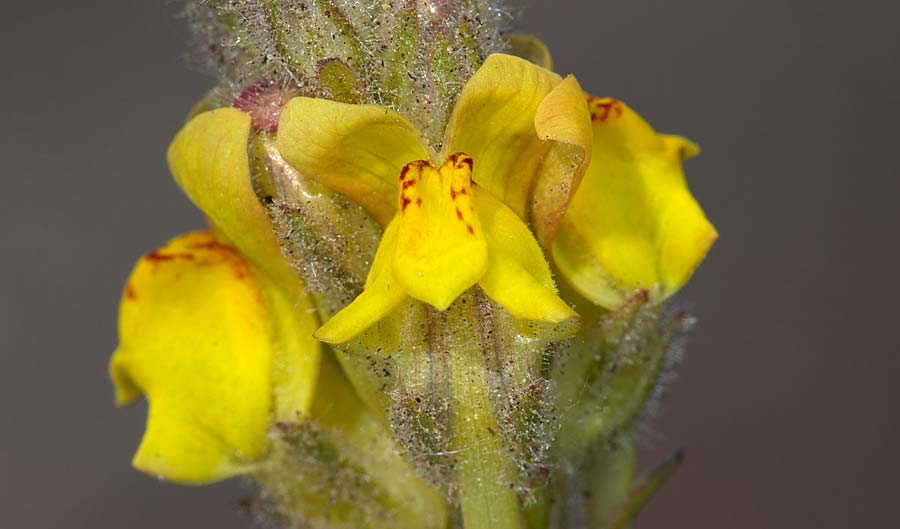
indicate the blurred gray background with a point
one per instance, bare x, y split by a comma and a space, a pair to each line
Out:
787, 401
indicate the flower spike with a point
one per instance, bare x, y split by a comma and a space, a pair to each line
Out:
379, 167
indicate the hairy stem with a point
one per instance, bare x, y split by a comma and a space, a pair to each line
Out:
487, 495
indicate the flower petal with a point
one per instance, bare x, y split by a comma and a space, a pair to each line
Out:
441, 251
296, 354
562, 120
633, 222
193, 326
517, 277
209, 160
381, 295
493, 122
357, 150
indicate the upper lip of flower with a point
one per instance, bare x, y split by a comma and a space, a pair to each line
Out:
509, 115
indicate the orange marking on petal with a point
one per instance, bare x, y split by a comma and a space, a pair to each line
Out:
157, 256
460, 159
603, 109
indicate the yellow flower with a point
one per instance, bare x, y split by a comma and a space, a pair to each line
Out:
218, 352
208, 314
443, 234
632, 224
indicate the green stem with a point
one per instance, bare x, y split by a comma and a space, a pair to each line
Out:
487, 495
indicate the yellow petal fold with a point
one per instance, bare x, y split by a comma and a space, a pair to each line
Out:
357, 150
632, 222
193, 327
209, 160
564, 122
530, 133
493, 122
517, 276
296, 354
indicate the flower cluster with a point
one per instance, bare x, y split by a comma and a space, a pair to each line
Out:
534, 182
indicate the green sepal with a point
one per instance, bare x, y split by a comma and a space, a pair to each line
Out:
338, 80
341, 468
644, 491
531, 49
605, 388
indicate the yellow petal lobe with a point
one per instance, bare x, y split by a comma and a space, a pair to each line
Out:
357, 150
210, 162
493, 122
632, 222
517, 276
441, 251
562, 120
382, 294
192, 328
296, 354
